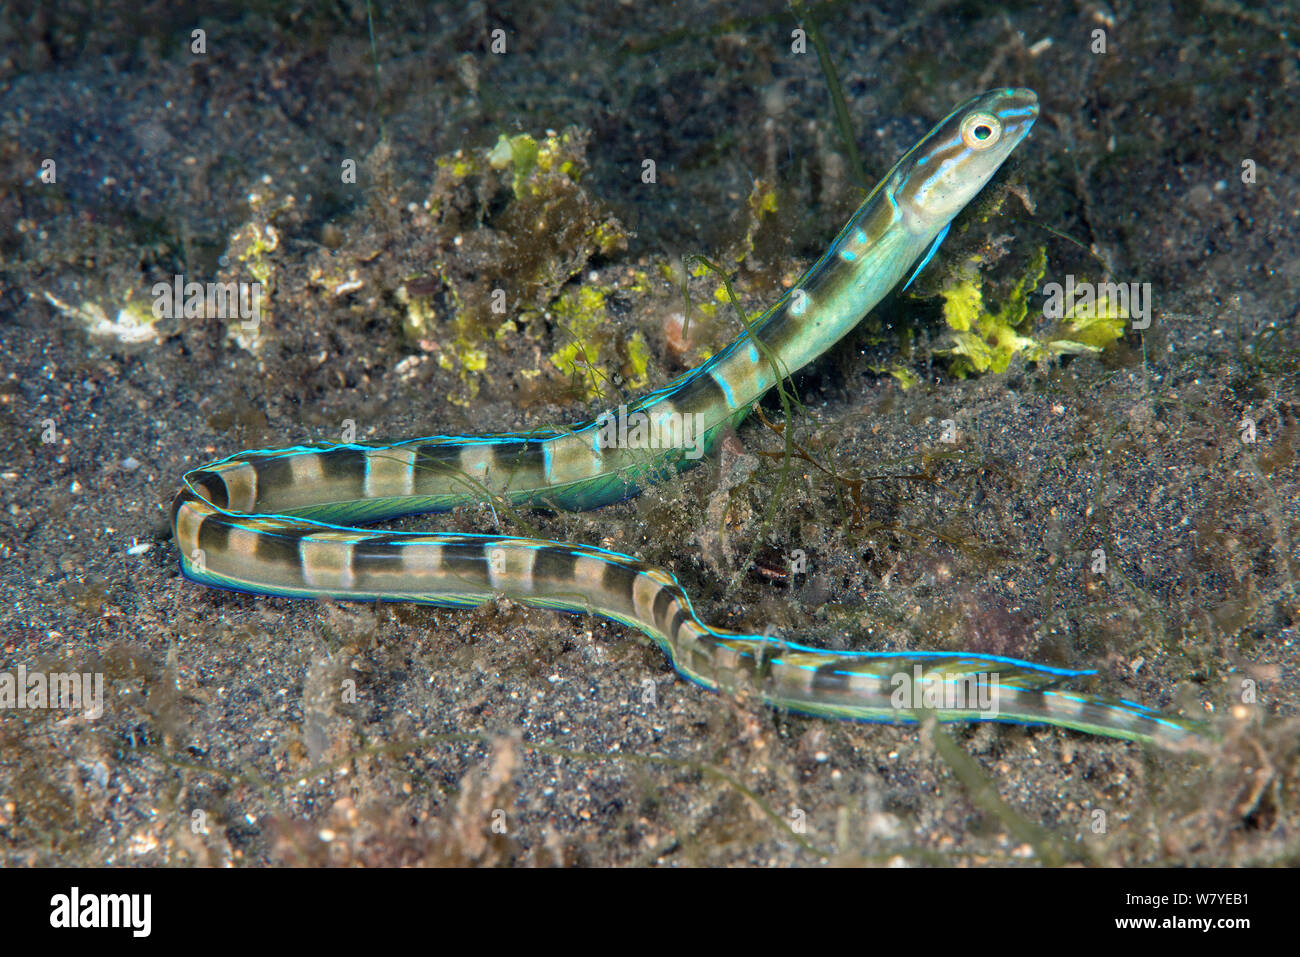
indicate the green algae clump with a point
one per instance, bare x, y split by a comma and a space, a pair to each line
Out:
512, 228
595, 346
986, 340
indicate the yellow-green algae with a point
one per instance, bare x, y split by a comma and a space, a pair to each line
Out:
519, 152
594, 344
762, 203
986, 340
502, 272
251, 245
906, 377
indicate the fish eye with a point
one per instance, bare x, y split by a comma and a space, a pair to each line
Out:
979, 131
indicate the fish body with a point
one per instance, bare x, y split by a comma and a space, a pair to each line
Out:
282, 521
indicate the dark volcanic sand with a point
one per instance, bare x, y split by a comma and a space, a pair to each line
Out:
233, 707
